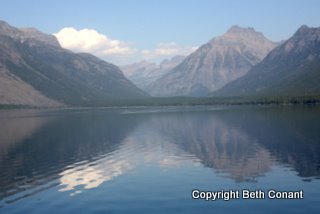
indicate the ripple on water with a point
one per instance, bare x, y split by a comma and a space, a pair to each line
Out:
136, 161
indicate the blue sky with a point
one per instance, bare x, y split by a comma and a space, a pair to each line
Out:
141, 26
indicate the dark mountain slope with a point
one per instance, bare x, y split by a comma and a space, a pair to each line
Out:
291, 69
59, 74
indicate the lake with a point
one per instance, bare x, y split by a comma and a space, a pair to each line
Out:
149, 160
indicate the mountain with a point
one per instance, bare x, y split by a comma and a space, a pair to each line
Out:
35, 70
291, 69
144, 73
220, 61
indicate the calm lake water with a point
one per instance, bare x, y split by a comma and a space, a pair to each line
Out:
148, 160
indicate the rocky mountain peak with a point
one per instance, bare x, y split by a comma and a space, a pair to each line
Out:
305, 41
306, 32
239, 33
235, 29
238, 37
145, 73
6, 29
222, 60
291, 69
23, 34
168, 63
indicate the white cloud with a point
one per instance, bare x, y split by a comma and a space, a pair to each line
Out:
115, 51
167, 50
89, 40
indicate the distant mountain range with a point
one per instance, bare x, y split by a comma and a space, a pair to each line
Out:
291, 69
144, 73
220, 61
36, 71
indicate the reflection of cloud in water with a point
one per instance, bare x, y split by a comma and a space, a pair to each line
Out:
169, 143
138, 149
92, 176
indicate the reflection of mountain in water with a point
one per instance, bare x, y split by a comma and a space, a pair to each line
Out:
82, 149
37, 158
245, 143
15, 129
218, 146
142, 148
290, 134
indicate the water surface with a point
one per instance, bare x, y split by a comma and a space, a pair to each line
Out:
148, 160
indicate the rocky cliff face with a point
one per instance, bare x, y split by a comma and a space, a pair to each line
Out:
291, 69
35, 70
220, 61
145, 73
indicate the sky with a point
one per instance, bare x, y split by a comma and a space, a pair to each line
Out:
127, 31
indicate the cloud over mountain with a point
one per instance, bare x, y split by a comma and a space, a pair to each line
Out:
116, 51
89, 40
168, 50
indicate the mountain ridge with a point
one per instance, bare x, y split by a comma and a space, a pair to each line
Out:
60, 75
144, 73
221, 60
292, 68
